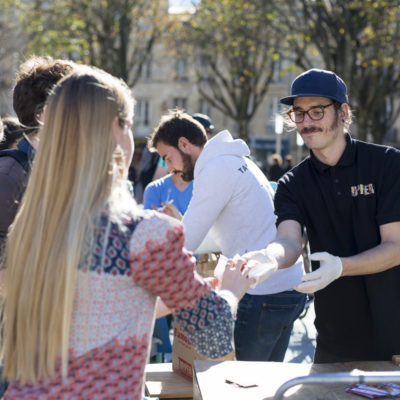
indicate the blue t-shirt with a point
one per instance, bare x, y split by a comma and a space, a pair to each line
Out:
162, 190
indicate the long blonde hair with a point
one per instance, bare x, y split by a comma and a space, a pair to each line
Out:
78, 170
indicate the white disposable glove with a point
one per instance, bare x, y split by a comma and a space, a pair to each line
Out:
330, 269
260, 265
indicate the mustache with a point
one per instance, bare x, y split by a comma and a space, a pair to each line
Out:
310, 129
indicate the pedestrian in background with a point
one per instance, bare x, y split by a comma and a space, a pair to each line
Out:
288, 163
275, 170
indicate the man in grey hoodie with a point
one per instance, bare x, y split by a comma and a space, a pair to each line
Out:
232, 211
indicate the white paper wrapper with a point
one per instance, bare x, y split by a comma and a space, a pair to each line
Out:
220, 267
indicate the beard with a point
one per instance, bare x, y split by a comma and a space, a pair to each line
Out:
187, 172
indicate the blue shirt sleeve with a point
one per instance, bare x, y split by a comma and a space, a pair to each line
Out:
151, 197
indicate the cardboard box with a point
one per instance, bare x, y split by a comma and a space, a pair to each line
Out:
183, 355
206, 264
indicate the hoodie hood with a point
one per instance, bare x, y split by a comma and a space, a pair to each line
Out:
221, 144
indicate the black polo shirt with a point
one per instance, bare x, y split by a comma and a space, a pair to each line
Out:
342, 208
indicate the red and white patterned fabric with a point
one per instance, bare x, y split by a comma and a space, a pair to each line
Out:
113, 315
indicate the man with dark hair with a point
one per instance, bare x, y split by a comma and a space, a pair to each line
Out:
178, 121
231, 210
346, 196
34, 81
179, 131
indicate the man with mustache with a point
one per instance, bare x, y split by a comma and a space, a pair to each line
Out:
346, 196
231, 211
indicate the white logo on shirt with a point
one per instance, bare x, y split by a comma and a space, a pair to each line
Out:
362, 190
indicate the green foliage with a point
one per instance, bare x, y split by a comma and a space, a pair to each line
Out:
116, 35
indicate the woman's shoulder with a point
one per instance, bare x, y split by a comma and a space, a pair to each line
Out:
155, 227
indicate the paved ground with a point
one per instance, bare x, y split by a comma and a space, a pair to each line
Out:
302, 342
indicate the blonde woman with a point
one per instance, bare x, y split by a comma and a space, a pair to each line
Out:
85, 265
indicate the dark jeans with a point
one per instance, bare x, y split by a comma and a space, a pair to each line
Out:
264, 324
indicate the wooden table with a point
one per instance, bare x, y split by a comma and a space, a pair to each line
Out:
210, 379
162, 382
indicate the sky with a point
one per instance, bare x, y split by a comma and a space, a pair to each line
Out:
176, 6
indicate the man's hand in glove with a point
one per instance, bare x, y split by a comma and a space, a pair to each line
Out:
330, 269
260, 265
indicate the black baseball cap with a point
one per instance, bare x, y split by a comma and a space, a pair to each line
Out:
204, 120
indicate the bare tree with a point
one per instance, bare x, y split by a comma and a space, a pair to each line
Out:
235, 46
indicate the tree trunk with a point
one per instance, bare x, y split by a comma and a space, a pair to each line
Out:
243, 129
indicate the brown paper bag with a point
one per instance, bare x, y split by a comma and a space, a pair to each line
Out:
183, 355
206, 264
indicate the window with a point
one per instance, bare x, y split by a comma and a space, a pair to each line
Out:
203, 69
142, 113
181, 68
273, 108
145, 72
205, 108
278, 68
179, 102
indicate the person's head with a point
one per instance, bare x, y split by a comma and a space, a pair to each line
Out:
205, 120
88, 120
13, 132
276, 159
319, 108
79, 171
288, 160
179, 140
34, 80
